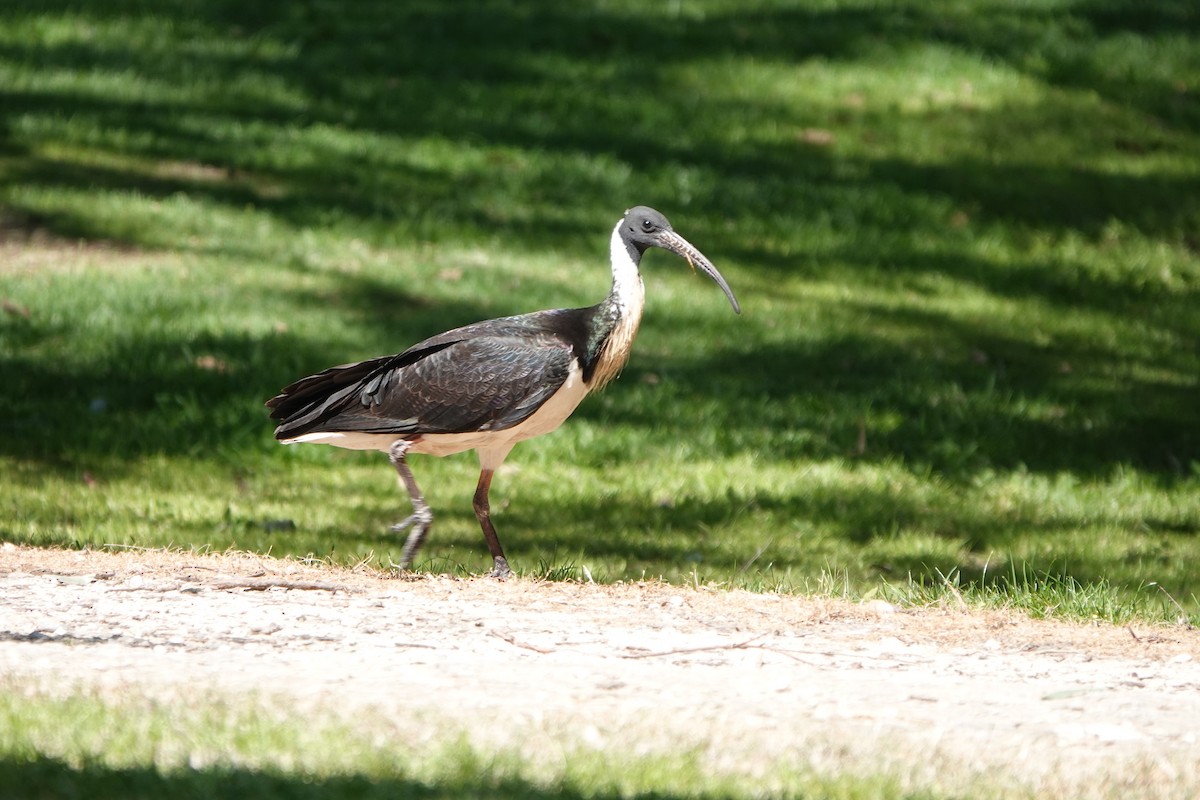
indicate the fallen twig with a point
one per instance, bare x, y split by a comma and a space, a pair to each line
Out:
749, 643
158, 587
753, 643
516, 643
262, 586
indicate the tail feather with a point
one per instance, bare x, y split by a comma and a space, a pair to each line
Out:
302, 406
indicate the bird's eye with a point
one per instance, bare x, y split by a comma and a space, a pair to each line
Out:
647, 225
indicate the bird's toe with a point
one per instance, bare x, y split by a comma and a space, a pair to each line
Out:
500, 568
404, 524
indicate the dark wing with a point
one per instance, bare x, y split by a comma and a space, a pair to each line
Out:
488, 376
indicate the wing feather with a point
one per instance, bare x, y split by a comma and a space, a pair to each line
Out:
482, 377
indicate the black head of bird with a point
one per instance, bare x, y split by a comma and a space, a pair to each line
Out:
485, 386
643, 228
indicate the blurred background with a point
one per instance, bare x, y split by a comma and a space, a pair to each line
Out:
965, 234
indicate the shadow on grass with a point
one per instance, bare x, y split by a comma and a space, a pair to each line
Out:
567, 80
193, 395
978, 400
968, 413
313, 113
52, 778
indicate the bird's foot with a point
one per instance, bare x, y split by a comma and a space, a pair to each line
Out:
401, 571
422, 518
500, 568
403, 524
420, 522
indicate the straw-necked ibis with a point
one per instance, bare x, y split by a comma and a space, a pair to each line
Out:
485, 386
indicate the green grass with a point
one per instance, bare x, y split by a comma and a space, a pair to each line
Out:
966, 236
1039, 595
83, 745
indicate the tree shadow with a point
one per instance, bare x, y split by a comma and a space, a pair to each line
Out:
982, 401
597, 91
180, 394
42, 777
582, 81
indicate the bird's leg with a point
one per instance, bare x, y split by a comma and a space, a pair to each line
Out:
422, 517
483, 513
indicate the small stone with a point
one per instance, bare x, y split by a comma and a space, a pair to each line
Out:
880, 608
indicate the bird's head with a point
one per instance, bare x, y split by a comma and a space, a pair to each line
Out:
643, 228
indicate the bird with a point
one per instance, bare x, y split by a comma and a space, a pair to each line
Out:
485, 386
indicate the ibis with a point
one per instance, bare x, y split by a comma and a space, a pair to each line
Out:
486, 386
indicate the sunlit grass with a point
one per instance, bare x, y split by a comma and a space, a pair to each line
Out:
137, 747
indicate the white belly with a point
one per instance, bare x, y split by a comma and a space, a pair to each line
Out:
497, 443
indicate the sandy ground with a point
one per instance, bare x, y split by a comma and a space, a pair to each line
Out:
744, 681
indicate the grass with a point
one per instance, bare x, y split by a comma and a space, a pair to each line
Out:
966, 236
87, 745
1042, 595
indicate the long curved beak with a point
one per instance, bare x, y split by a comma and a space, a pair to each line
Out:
670, 240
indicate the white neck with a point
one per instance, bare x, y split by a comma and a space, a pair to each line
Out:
628, 290
629, 298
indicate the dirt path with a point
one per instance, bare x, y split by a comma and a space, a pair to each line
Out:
747, 681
